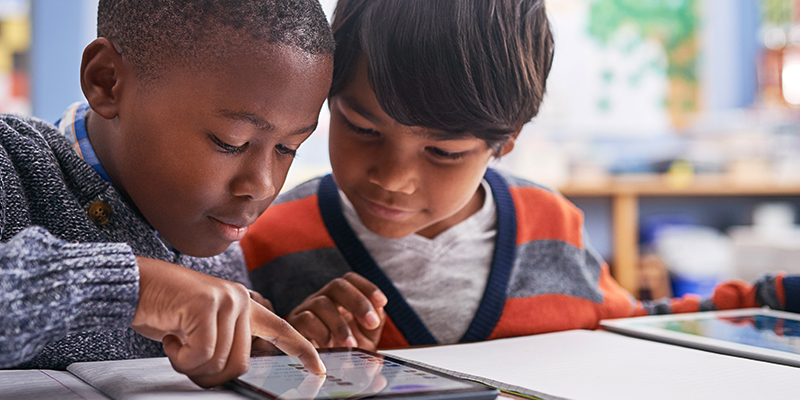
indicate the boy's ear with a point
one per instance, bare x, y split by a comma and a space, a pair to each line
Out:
509, 144
101, 69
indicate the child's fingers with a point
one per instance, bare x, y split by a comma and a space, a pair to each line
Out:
260, 344
227, 316
343, 292
229, 352
236, 360
369, 289
193, 351
202, 321
364, 341
368, 339
323, 308
275, 330
311, 327
261, 300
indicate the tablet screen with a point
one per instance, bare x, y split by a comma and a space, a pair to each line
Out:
350, 374
764, 331
757, 333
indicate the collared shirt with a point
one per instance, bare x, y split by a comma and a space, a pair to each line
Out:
73, 125
430, 273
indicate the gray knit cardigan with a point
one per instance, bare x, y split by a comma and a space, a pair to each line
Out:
70, 288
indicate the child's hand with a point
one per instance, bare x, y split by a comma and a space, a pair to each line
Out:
205, 323
258, 343
348, 311
261, 300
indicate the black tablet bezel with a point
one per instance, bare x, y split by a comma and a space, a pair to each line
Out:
477, 391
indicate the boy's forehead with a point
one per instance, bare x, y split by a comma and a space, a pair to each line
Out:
252, 86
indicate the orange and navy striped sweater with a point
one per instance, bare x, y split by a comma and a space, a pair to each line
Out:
544, 276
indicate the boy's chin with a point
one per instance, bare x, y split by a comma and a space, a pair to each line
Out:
390, 232
202, 250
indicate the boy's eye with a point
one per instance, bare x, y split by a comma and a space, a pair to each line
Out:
227, 148
359, 130
284, 150
439, 153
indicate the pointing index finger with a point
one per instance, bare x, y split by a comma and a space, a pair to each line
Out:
275, 330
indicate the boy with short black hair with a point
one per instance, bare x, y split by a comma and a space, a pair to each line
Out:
119, 228
412, 240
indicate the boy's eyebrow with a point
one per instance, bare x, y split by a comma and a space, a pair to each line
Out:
259, 122
248, 117
358, 109
425, 133
310, 128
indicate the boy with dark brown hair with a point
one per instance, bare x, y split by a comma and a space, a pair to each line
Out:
413, 239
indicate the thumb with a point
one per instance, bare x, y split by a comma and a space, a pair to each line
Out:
172, 345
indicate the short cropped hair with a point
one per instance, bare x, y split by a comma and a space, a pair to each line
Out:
154, 33
475, 67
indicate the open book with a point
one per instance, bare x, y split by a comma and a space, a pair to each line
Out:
598, 365
147, 378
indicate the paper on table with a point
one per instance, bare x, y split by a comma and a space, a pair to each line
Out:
602, 365
146, 378
37, 384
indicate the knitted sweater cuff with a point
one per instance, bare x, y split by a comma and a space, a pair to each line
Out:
105, 280
57, 288
51, 288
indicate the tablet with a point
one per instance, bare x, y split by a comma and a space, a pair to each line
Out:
756, 333
351, 374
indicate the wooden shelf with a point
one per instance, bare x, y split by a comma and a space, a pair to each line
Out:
699, 185
625, 191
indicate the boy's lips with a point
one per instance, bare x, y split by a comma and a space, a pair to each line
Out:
385, 212
231, 230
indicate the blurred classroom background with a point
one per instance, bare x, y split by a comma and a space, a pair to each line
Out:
673, 124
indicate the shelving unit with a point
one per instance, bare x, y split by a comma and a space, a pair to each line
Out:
625, 192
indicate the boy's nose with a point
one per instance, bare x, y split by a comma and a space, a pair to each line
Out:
255, 181
394, 174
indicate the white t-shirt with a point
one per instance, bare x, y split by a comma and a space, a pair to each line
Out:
442, 279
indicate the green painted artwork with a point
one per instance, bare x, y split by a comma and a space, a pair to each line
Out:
672, 23
777, 12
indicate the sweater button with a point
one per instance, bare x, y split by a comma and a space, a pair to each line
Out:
100, 213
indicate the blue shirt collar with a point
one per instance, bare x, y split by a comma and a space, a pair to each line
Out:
73, 125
